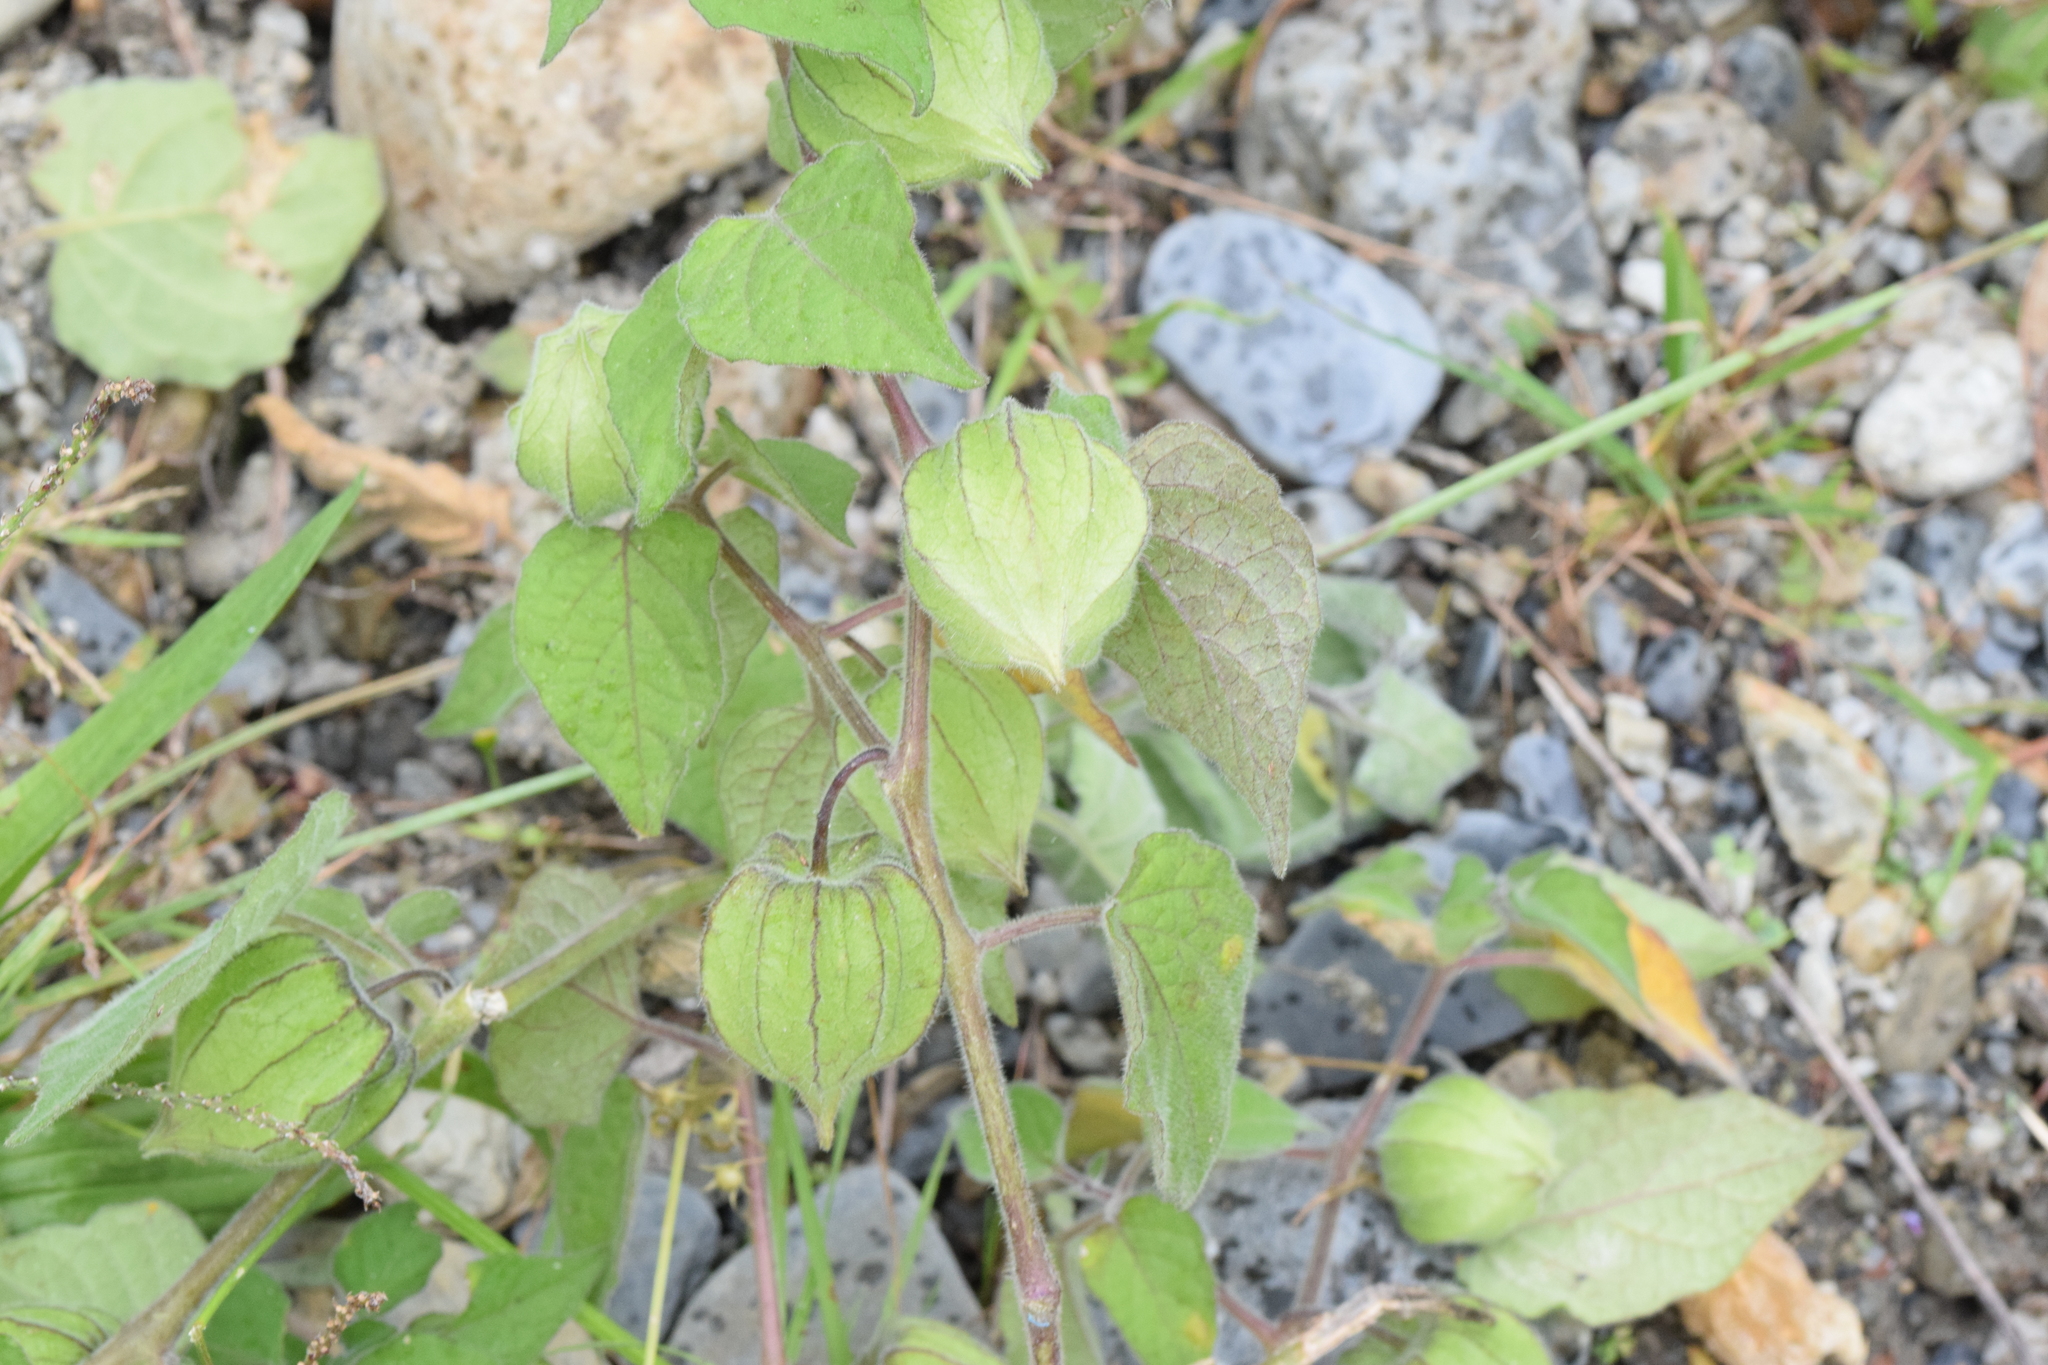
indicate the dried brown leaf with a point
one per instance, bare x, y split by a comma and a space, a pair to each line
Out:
444, 512
1770, 1313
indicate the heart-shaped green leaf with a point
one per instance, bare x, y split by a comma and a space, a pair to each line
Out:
1225, 618
487, 685
1074, 28
554, 1059
1181, 933
991, 82
190, 249
1021, 539
772, 776
829, 276
615, 630
1149, 1269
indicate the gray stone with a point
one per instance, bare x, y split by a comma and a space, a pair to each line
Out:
691, 1253
1768, 78
1946, 545
1679, 674
1952, 420
1937, 1000
99, 633
1538, 765
1333, 991
1907, 1093
1250, 1214
1471, 411
722, 1320
1498, 839
2012, 137
1077, 960
2012, 573
1310, 388
416, 780
257, 679
381, 377
1888, 630
1478, 665
1700, 152
468, 1151
230, 545
1829, 794
1332, 516
1445, 125
13, 359
2019, 807
1614, 640
1085, 1044
1979, 909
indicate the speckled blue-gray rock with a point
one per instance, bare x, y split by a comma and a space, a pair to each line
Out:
1308, 385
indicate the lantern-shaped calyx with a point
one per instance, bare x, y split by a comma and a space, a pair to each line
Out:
862, 946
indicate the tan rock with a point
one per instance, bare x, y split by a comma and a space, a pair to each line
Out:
1829, 794
505, 169
1389, 486
1980, 908
1769, 1312
1878, 931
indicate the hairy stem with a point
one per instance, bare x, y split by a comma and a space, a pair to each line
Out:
770, 1289
810, 645
149, 1338
1351, 1145
1067, 917
907, 783
821, 838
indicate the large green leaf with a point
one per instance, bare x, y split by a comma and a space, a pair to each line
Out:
1658, 1198
814, 483
387, 1252
1040, 1121
829, 276
615, 630
1088, 849
1225, 619
773, 774
87, 1160
75, 1065
487, 685
991, 82
282, 1031
772, 676
656, 381
117, 1262
555, 1058
1150, 1271
888, 33
988, 764
517, 1305
1260, 1124
188, 250
567, 918
1021, 537
248, 1328
35, 809
596, 1175
1073, 28
1181, 933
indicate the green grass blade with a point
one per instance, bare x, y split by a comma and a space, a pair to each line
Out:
1685, 307
72, 775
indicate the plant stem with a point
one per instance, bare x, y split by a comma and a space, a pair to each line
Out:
60, 469
907, 783
1327, 1331
1351, 1145
894, 602
769, 1288
810, 645
149, 1338
1009, 931
679, 1156
821, 837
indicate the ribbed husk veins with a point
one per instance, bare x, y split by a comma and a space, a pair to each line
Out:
284, 1032
54, 1336
820, 981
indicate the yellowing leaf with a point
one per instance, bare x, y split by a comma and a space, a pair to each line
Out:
446, 513
1077, 701
1021, 539
190, 247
